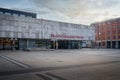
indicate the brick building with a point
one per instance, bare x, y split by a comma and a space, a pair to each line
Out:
107, 33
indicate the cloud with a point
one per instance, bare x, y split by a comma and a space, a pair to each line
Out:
68, 8
74, 9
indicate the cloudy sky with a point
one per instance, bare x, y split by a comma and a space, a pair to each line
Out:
73, 11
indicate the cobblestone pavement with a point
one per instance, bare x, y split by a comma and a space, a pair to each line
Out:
83, 64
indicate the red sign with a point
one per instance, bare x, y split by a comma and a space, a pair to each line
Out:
64, 36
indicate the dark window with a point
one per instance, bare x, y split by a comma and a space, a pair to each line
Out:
108, 37
119, 37
114, 37
119, 31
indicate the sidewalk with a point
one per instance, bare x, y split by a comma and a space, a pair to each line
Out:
41, 59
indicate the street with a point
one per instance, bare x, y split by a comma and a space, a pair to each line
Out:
74, 64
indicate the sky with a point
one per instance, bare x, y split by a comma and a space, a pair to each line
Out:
72, 11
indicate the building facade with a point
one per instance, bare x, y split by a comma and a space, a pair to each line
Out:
107, 33
22, 31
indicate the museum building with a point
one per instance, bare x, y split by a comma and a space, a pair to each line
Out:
21, 30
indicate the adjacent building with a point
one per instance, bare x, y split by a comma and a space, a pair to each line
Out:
107, 33
21, 30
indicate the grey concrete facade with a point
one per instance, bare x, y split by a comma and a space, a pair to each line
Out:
18, 28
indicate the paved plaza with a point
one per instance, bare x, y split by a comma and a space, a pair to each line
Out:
74, 64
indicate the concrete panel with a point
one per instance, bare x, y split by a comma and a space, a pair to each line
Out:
40, 28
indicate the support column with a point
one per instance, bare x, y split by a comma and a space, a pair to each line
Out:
56, 44
27, 43
116, 46
78, 45
105, 44
13, 44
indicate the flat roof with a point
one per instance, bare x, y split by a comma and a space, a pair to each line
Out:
4, 10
